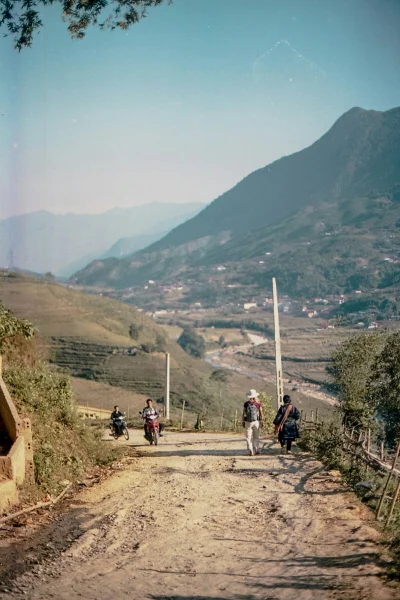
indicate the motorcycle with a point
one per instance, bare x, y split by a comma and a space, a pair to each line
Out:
152, 429
118, 428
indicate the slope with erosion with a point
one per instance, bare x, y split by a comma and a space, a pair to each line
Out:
89, 336
346, 184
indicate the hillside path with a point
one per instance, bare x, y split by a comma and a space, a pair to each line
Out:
196, 518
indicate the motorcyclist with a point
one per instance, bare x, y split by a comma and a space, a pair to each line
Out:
149, 412
115, 416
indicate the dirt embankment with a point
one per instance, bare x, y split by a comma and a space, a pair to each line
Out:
196, 518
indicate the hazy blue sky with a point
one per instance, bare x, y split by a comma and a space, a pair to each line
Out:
188, 101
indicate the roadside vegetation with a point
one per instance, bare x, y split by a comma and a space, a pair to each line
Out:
366, 374
64, 446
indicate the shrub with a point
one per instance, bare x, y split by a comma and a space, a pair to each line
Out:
192, 343
148, 347
134, 331
63, 444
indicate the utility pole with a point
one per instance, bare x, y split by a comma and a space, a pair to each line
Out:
10, 259
166, 395
278, 355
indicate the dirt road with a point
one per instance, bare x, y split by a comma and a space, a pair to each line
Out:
196, 518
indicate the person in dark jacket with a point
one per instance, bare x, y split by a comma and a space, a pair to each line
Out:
286, 423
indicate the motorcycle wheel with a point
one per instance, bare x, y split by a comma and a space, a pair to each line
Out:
126, 433
116, 436
155, 437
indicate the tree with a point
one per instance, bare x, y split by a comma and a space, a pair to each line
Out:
161, 342
21, 18
134, 331
351, 370
384, 387
192, 342
220, 375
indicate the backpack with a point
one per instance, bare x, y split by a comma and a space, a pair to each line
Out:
252, 412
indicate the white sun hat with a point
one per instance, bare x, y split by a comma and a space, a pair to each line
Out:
252, 394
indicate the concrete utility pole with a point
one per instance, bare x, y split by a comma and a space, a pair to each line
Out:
166, 395
278, 356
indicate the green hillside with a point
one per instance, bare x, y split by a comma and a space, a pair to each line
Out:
89, 337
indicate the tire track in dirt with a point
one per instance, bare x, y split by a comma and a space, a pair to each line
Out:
195, 518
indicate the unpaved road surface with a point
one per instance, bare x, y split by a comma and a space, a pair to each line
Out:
196, 518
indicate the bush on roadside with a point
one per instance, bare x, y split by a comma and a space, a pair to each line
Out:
63, 445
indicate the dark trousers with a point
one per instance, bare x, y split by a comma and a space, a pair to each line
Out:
284, 441
288, 445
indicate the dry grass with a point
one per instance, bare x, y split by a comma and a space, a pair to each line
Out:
86, 335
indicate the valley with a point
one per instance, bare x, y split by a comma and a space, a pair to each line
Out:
90, 337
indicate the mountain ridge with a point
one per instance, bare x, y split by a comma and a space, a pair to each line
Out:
228, 207
42, 241
355, 162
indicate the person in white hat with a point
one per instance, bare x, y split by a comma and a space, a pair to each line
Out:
252, 420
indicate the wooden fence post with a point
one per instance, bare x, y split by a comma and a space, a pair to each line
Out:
394, 500
380, 505
183, 412
222, 418
382, 451
235, 421
316, 414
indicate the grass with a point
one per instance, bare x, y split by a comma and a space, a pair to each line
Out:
63, 445
88, 336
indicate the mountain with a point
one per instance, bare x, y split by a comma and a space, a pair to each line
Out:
128, 245
359, 155
62, 244
351, 171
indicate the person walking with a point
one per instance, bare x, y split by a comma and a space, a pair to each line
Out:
285, 424
252, 420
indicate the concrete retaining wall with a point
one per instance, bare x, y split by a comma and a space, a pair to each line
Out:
8, 494
17, 466
12, 466
8, 413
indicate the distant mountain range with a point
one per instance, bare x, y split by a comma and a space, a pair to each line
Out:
331, 207
62, 244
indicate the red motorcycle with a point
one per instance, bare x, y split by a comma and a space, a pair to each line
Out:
152, 430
